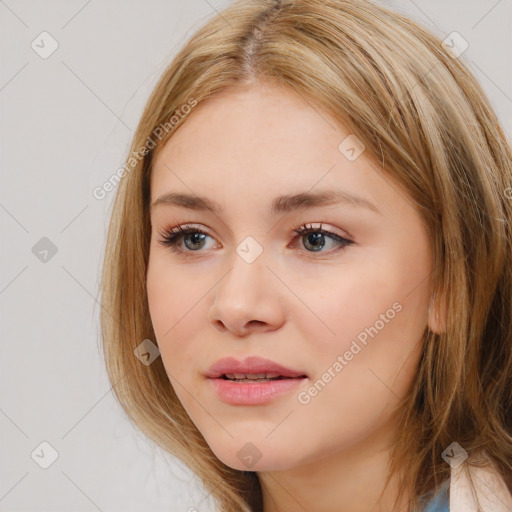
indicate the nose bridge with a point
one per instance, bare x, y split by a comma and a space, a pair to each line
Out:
247, 267
245, 293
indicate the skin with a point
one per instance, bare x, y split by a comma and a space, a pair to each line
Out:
293, 305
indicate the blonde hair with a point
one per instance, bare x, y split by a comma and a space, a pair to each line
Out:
427, 123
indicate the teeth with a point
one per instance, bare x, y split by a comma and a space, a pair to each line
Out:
252, 376
245, 376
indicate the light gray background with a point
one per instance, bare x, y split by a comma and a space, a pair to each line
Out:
66, 124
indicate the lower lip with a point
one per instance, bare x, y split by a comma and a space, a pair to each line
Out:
253, 393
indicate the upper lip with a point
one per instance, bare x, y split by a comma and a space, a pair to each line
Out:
251, 365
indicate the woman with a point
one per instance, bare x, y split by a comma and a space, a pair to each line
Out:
371, 374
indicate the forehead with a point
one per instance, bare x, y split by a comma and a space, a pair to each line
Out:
259, 124
260, 141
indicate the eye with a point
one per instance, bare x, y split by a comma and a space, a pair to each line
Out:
171, 237
194, 238
317, 242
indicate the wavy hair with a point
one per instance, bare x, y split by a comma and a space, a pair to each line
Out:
426, 122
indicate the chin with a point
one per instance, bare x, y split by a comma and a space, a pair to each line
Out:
249, 456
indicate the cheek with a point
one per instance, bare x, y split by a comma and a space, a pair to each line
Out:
364, 369
373, 318
351, 306
176, 311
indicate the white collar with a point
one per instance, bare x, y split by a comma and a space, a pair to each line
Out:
492, 493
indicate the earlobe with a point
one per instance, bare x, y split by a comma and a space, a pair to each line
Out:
436, 316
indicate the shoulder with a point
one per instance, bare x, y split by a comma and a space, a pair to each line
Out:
492, 493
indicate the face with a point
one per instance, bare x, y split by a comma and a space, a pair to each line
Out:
346, 305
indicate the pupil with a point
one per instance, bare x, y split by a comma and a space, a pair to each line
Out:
315, 236
194, 236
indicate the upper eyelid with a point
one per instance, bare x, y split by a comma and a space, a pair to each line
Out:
182, 229
312, 225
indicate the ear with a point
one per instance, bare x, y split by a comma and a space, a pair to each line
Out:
436, 316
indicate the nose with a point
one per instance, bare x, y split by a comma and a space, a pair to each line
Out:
248, 298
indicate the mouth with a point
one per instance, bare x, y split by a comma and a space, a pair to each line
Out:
252, 381
251, 368
258, 391
254, 378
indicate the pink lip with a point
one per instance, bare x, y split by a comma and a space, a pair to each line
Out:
241, 393
252, 364
251, 393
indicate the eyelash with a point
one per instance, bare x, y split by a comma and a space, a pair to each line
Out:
171, 236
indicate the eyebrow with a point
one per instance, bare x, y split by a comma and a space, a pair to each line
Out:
280, 205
